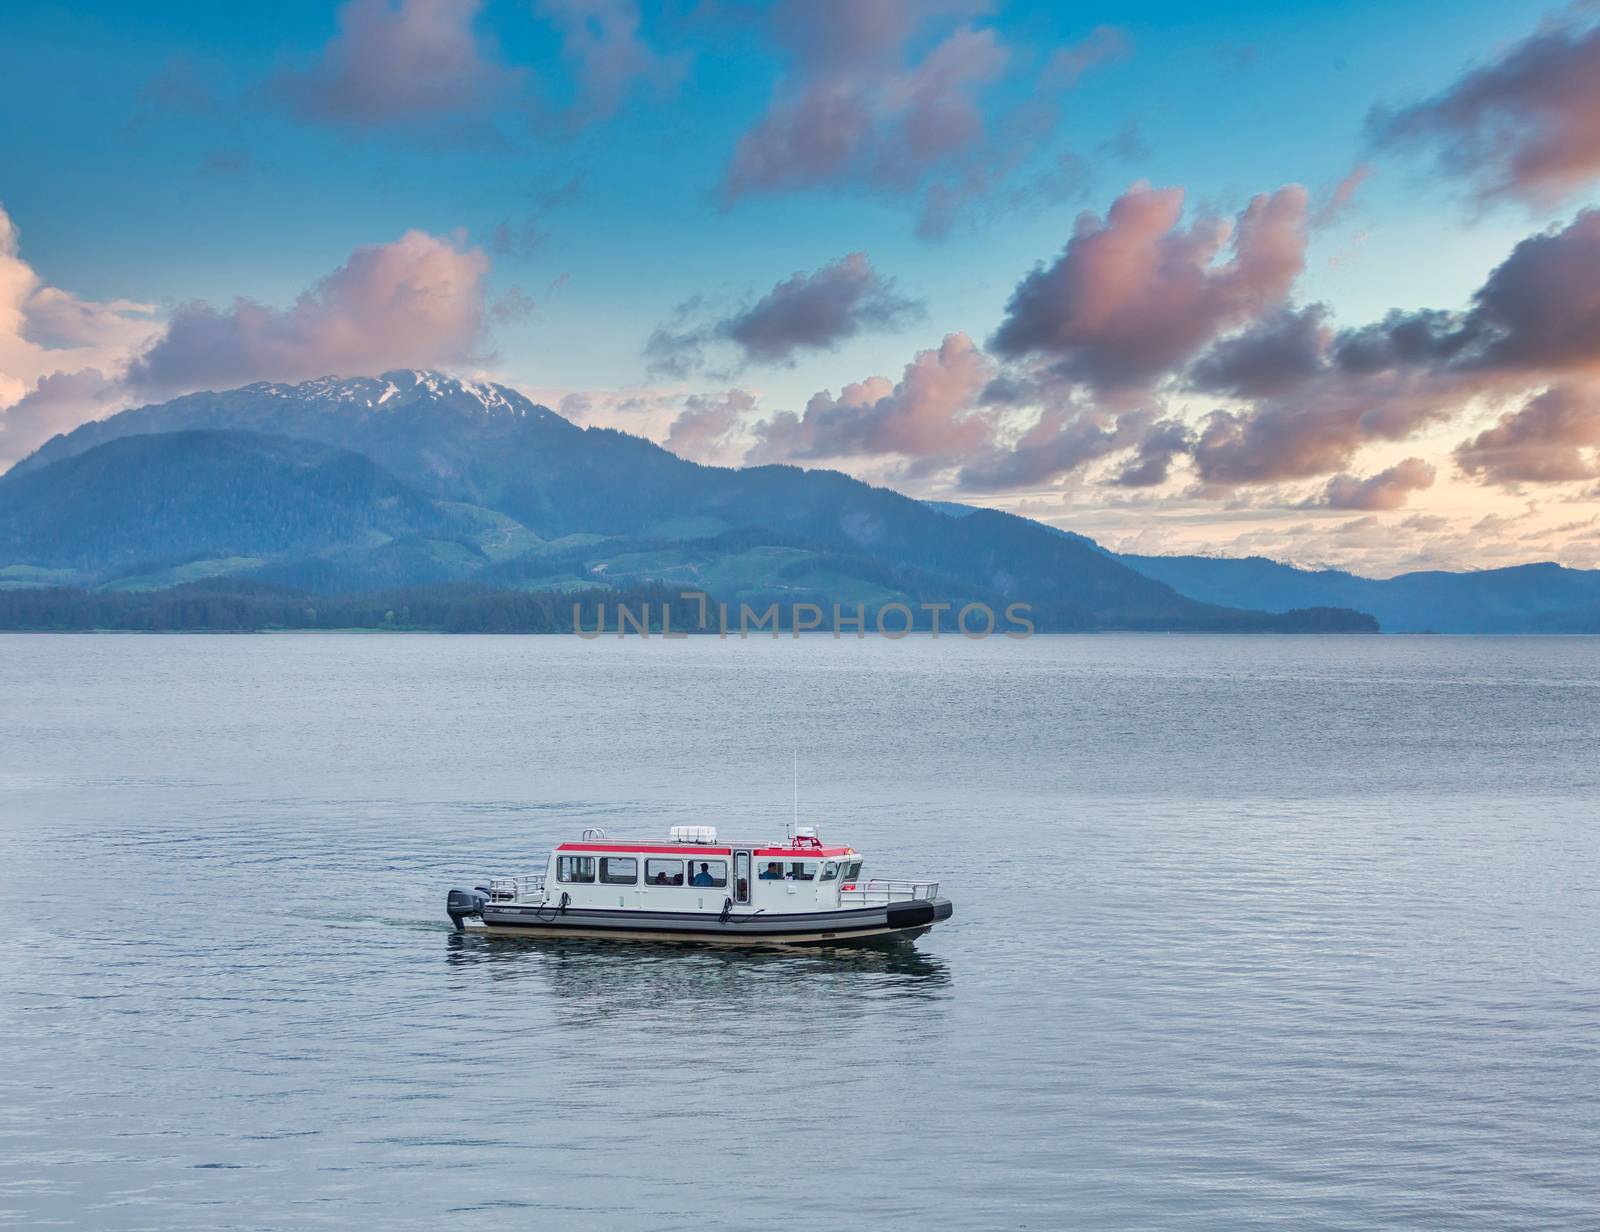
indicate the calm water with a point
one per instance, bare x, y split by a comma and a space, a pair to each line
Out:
1250, 933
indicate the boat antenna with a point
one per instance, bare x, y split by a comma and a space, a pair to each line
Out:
794, 827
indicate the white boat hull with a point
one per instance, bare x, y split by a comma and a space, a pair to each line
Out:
904, 918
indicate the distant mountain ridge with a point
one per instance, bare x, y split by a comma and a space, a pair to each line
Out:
474, 482
1541, 597
1533, 598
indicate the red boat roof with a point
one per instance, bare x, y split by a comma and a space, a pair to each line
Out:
678, 849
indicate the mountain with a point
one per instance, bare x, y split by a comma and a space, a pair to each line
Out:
1534, 598
153, 509
471, 481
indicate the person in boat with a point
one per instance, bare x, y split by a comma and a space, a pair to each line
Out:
773, 871
661, 879
703, 877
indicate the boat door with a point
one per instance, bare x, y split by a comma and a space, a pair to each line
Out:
741, 877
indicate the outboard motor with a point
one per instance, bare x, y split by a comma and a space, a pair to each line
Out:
462, 904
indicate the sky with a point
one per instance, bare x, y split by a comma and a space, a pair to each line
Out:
1319, 282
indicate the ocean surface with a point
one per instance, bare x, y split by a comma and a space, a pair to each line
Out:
1250, 933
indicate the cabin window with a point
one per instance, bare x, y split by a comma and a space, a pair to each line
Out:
663, 872
830, 870
708, 873
575, 868
802, 870
852, 870
619, 870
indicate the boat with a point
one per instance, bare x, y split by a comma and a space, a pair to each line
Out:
695, 887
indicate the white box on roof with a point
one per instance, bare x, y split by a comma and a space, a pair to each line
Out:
692, 834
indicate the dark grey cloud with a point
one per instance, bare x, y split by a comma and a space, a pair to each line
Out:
1277, 354
805, 312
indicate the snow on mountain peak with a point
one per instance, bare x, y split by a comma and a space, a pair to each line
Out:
403, 387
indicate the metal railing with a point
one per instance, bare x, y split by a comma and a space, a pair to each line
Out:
516, 889
884, 890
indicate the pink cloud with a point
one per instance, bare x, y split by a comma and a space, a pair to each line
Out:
59, 402
859, 107
416, 302
1134, 296
1525, 126
931, 414
1389, 489
1332, 207
705, 429
871, 122
1543, 442
55, 348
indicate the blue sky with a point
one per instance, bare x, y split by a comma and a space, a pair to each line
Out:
156, 155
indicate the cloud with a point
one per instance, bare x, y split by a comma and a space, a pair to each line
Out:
54, 348
416, 302
702, 426
1063, 439
1317, 428
930, 415
851, 112
1543, 442
44, 329
862, 106
817, 311
1318, 399
1388, 489
600, 39
1127, 144
1332, 207
1134, 296
1104, 45
58, 403
705, 429
1151, 464
804, 312
417, 62
1540, 308
1538, 312
1525, 126
518, 239
987, 190
1279, 353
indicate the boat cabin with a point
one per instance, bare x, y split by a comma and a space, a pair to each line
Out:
693, 872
